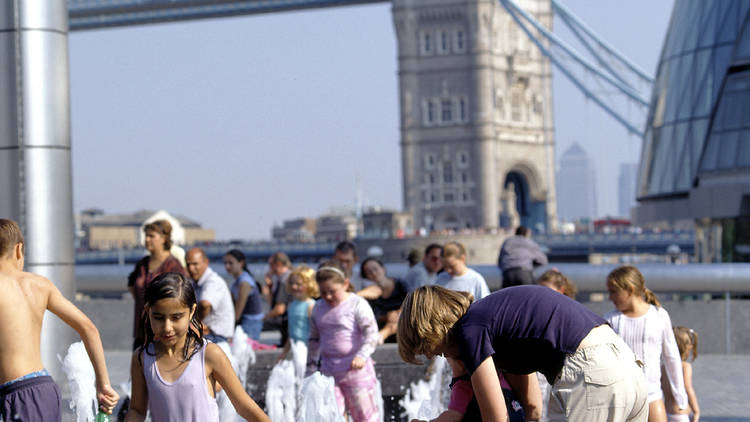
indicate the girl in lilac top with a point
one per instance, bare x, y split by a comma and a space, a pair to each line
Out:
175, 373
343, 335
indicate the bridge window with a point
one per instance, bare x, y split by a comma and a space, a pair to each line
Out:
446, 110
460, 41
463, 162
537, 104
429, 161
515, 105
447, 172
445, 46
430, 112
425, 43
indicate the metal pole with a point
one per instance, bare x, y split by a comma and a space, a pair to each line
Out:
728, 321
35, 160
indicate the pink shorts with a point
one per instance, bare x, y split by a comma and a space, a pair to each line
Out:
355, 392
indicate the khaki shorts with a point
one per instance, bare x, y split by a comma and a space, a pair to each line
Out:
600, 382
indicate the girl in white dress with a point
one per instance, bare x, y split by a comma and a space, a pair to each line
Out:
646, 327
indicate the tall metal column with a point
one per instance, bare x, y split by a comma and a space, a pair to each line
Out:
35, 157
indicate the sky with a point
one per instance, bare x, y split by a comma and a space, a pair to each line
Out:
240, 123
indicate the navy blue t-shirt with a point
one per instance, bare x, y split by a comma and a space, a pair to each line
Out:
525, 329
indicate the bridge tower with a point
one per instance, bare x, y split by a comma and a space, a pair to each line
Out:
477, 136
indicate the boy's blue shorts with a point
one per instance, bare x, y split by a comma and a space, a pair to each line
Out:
30, 399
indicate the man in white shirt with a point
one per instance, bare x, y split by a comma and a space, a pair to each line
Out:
215, 307
425, 272
457, 275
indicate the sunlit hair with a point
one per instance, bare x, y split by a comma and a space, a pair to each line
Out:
327, 271
364, 263
306, 277
426, 321
453, 250
10, 236
164, 228
173, 286
630, 279
686, 337
559, 281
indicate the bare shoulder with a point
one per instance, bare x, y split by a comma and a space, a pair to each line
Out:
137, 357
39, 281
30, 287
214, 353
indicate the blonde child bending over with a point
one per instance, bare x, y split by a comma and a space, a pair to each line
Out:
343, 335
645, 326
687, 343
175, 372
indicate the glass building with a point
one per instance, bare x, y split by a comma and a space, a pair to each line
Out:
695, 163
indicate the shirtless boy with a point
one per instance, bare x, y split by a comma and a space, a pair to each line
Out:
27, 392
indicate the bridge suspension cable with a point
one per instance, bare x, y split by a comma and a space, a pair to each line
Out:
611, 72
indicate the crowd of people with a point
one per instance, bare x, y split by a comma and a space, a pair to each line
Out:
597, 368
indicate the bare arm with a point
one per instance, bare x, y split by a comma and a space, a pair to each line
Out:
138, 392
267, 287
672, 361
489, 394
242, 294
313, 348
390, 327
371, 292
204, 308
527, 389
63, 308
276, 311
449, 415
222, 371
687, 371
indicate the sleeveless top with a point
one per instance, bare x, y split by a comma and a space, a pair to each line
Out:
254, 304
185, 400
299, 321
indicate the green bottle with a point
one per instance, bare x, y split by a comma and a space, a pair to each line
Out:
103, 417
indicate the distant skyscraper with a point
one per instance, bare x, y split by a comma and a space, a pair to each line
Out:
576, 185
626, 188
